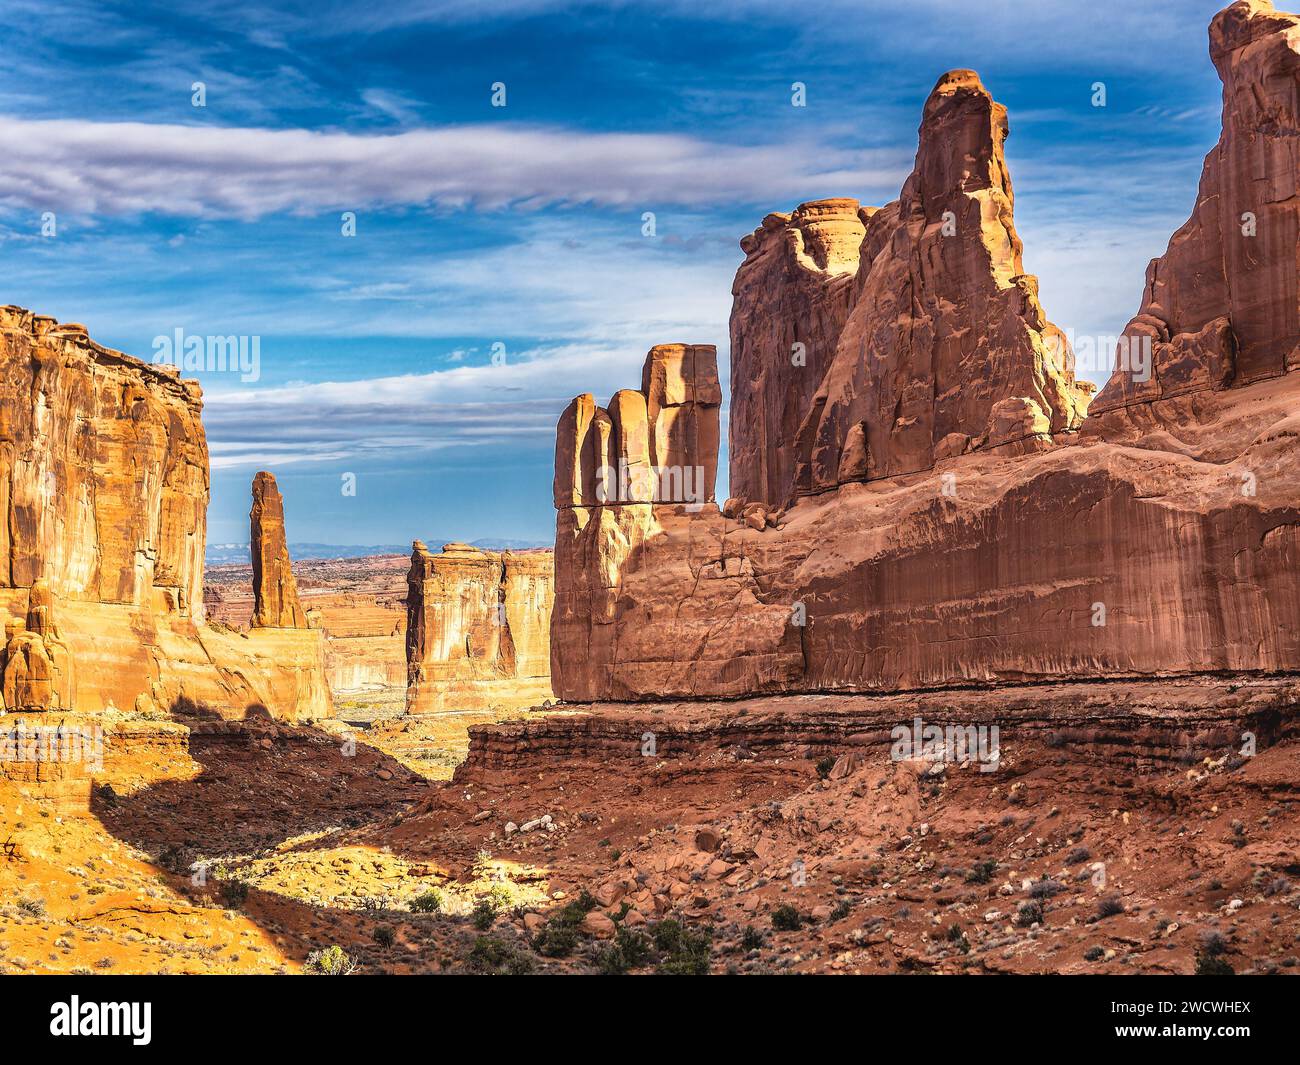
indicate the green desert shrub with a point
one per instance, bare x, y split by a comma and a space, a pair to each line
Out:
332, 961
429, 902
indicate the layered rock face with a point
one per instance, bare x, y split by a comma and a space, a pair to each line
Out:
275, 594
947, 348
1142, 725
478, 628
1222, 307
792, 296
956, 521
103, 492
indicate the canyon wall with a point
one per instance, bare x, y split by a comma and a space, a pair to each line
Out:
103, 492
478, 628
945, 515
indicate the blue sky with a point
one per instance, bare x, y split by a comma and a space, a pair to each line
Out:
521, 226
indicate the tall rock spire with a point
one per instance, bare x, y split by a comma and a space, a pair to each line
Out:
275, 593
947, 348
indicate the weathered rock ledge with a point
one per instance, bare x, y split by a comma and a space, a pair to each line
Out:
1145, 724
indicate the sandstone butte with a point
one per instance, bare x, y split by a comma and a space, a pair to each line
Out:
921, 499
104, 492
477, 628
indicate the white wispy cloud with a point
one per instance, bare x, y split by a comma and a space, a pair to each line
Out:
516, 403
137, 168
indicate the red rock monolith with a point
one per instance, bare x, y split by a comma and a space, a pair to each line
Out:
275, 593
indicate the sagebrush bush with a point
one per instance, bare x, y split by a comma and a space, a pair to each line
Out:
1109, 907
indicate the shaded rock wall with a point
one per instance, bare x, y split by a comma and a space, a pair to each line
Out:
1104, 559
791, 298
1142, 726
478, 628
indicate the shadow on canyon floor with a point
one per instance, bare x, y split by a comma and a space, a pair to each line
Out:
325, 848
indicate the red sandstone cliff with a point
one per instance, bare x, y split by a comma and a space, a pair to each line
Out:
1222, 307
478, 628
967, 526
103, 494
792, 296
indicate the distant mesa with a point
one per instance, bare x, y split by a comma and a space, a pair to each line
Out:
478, 628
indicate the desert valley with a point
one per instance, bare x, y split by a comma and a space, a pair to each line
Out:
977, 669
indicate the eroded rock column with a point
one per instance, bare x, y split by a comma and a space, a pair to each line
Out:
275, 593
